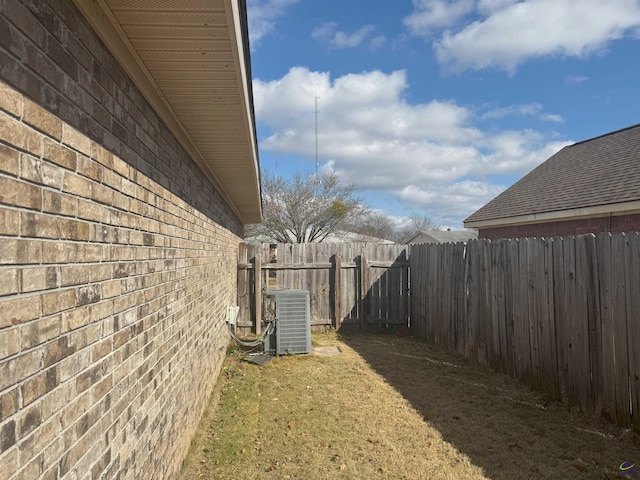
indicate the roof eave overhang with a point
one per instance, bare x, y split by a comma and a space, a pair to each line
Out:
232, 166
613, 209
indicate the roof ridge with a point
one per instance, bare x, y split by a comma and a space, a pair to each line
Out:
607, 134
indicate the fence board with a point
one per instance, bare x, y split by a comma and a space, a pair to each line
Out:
444, 302
509, 279
500, 306
519, 297
573, 321
595, 326
471, 306
536, 286
484, 298
449, 306
461, 297
429, 274
551, 375
633, 309
525, 309
621, 346
607, 325
447, 303
244, 284
561, 319
406, 288
581, 325
337, 291
493, 330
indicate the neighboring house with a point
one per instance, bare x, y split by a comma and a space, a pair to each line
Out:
589, 187
128, 169
443, 236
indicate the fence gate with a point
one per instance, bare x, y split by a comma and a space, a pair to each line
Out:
355, 286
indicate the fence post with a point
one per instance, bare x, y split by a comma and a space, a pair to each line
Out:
257, 275
244, 283
337, 291
363, 293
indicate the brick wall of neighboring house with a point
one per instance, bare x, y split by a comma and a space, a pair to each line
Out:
117, 263
614, 224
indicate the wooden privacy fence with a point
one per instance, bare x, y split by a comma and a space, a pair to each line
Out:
357, 285
561, 314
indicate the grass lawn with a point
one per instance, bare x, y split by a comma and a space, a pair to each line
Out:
396, 408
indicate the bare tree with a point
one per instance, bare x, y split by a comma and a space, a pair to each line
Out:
416, 224
305, 208
375, 225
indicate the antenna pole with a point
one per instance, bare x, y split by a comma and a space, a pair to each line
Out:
315, 112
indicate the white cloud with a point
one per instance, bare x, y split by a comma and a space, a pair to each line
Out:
325, 31
431, 154
453, 202
377, 42
551, 117
432, 14
518, 110
522, 110
262, 16
329, 32
515, 151
515, 32
487, 7
575, 79
400, 42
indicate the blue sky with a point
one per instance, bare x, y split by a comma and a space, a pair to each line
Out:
432, 106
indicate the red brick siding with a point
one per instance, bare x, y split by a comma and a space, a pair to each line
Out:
117, 263
614, 224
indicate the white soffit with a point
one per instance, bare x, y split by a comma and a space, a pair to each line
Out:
188, 59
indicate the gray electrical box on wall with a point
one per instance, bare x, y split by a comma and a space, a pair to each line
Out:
293, 322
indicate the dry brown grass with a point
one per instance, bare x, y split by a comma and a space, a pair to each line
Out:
390, 407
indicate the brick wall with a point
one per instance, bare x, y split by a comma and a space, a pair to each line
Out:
614, 224
117, 262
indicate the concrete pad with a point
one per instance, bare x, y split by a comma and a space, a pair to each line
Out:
326, 351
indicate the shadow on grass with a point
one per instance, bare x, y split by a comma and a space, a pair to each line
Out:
501, 425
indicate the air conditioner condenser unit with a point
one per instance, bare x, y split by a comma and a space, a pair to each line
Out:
292, 333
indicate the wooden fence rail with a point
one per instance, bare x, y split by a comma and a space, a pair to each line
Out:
560, 314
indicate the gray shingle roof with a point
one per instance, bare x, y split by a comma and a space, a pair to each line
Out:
443, 236
600, 171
